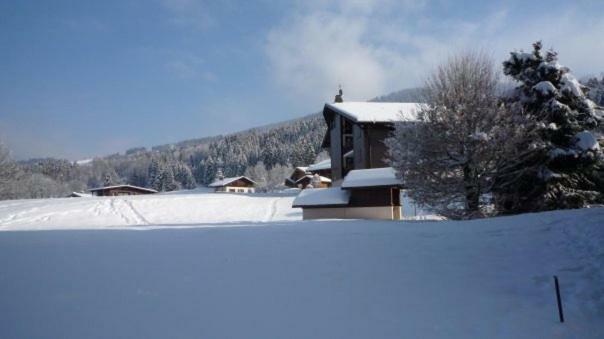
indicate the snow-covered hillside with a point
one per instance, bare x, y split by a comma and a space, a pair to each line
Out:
183, 208
489, 278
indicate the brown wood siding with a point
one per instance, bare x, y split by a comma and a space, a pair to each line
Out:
120, 191
378, 151
240, 183
335, 149
370, 197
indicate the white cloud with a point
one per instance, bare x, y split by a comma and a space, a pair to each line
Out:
374, 47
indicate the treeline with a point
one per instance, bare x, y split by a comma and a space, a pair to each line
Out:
267, 154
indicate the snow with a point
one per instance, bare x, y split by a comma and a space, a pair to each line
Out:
586, 141
80, 195
372, 177
322, 196
524, 57
545, 88
84, 161
310, 176
377, 111
182, 208
571, 84
487, 278
226, 181
479, 136
321, 165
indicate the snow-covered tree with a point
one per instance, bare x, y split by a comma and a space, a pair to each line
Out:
446, 159
259, 174
596, 90
9, 172
183, 175
552, 160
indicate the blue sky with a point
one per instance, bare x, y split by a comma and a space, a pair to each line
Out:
83, 78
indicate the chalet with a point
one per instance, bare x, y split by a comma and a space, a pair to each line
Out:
240, 184
356, 133
314, 180
322, 168
116, 190
297, 174
364, 186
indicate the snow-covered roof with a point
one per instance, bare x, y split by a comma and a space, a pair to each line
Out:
123, 186
372, 177
333, 196
321, 165
376, 111
310, 176
80, 195
226, 181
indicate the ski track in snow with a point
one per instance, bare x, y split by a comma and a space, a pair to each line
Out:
140, 219
272, 210
150, 210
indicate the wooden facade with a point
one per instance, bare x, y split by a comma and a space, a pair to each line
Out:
118, 190
234, 185
365, 140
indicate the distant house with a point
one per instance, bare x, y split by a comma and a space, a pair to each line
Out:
116, 190
240, 184
322, 168
315, 181
297, 174
302, 177
363, 186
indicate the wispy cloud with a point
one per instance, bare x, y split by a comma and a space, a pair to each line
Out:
373, 47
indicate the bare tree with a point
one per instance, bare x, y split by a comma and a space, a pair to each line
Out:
446, 159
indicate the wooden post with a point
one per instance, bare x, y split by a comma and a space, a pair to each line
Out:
560, 312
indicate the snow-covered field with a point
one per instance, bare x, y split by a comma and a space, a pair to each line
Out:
183, 208
489, 278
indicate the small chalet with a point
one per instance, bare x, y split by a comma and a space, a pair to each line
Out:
313, 181
322, 168
363, 186
240, 184
297, 174
116, 190
315, 175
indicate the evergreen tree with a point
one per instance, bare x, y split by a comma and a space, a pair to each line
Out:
183, 175
553, 160
154, 174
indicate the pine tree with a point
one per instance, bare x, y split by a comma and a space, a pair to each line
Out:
155, 181
553, 160
183, 175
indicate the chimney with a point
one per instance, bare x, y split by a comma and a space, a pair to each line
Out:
339, 95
